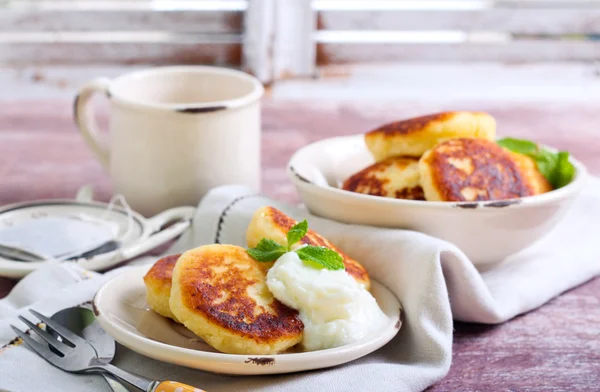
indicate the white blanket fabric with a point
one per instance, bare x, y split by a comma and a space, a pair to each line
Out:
433, 279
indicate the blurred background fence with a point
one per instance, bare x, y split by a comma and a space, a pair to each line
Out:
287, 40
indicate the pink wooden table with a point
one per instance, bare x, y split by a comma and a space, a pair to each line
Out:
556, 347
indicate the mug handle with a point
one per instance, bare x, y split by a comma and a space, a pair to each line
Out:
85, 121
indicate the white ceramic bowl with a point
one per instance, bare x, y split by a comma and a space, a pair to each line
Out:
487, 232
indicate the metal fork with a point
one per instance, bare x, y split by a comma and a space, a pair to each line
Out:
74, 354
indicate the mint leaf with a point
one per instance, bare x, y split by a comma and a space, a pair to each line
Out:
320, 257
267, 250
518, 145
565, 171
554, 166
546, 164
296, 233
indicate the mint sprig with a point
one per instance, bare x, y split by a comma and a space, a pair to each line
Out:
318, 257
565, 171
556, 167
267, 250
521, 146
296, 233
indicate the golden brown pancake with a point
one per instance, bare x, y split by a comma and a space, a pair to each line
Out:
158, 285
396, 177
532, 175
414, 136
474, 170
220, 293
269, 222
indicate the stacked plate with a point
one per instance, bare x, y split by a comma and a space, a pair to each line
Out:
44, 222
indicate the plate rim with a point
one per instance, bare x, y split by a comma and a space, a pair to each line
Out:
18, 269
144, 345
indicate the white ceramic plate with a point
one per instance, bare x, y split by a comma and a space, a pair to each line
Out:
121, 308
144, 235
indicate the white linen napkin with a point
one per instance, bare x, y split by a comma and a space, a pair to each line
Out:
433, 279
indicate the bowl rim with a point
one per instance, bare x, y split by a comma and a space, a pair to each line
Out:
300, 181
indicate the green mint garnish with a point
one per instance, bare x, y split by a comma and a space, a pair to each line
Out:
318, 257
267, 250
525, 147
565, 171
554, 166
296, 233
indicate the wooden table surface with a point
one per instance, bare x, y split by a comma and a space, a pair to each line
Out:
554, 348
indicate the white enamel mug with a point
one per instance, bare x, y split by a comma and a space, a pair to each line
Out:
175, 133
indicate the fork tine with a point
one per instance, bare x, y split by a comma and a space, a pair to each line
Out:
68, 336
42, 350
51, 340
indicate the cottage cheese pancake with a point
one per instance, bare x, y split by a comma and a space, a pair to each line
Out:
158, 285
474, 170
396, 177
531, 174
220, 293
269, 222
414, 136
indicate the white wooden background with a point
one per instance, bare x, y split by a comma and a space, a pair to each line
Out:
58, 42
71, 32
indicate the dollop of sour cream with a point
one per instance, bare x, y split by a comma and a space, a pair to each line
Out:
335, 309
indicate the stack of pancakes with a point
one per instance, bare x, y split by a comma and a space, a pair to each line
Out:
449, 156
220, 293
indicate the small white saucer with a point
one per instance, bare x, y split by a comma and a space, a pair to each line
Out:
145, 235
121, 309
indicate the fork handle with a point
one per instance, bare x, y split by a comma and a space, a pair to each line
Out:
142, 383
174, 386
